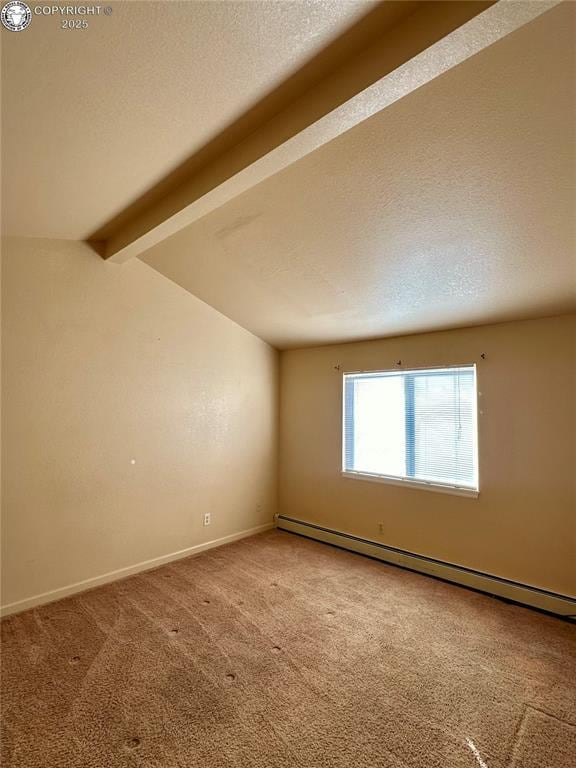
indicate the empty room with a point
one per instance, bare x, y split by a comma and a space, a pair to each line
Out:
288, 384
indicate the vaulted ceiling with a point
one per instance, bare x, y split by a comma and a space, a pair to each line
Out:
454, 206
415, 169
93, 118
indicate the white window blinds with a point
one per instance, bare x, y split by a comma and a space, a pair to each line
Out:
415, 425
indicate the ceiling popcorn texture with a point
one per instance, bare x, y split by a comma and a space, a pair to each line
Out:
151, 84
452, 207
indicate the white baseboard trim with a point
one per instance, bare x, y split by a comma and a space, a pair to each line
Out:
122, 573
563, 605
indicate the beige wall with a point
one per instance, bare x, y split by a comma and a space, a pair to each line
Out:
522, 526
106, 363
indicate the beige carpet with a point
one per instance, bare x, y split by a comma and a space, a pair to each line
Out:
279, 651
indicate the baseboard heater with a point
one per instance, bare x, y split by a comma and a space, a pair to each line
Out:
561, 605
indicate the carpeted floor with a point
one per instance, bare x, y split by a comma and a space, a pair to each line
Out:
279, 651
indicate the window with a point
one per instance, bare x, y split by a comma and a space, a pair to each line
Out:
415, 427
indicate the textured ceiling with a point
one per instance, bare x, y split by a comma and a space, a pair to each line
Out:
93, 118
454, 206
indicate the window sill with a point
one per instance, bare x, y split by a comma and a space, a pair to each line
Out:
420, 484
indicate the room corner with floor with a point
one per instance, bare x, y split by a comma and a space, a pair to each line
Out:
288, 384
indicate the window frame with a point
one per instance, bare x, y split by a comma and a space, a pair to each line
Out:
410, 482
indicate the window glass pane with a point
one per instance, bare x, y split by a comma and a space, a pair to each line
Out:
377, 430
444, 410
417, 424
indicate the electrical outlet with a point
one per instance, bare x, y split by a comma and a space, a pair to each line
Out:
381, 527
206, 519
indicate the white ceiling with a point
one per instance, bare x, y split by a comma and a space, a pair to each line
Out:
454, 206
93, 118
